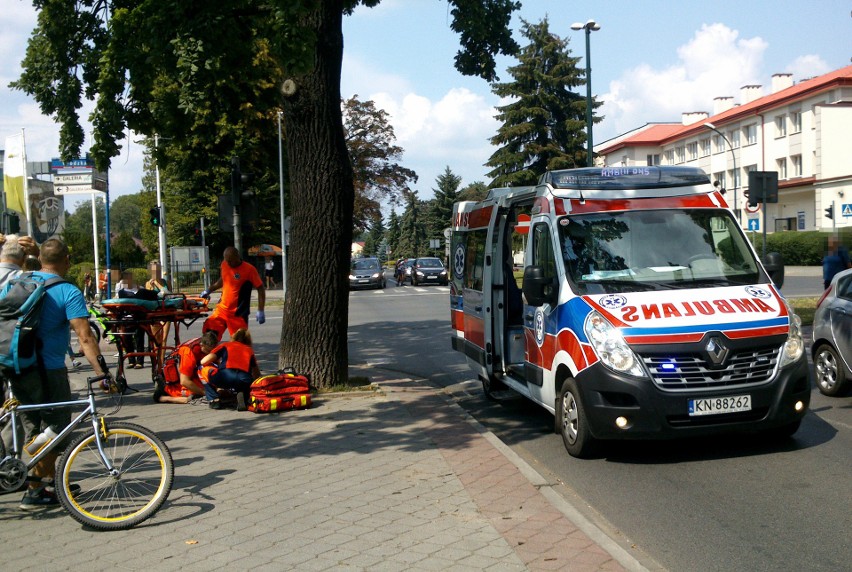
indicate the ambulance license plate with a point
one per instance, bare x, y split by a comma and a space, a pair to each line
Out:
717, 405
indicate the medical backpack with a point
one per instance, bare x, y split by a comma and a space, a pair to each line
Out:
279, 392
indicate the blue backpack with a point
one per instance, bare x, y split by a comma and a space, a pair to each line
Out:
20, 314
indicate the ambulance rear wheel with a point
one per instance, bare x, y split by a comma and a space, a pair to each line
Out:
571, 422
490, 386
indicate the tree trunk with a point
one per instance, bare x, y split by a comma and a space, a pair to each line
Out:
316, 311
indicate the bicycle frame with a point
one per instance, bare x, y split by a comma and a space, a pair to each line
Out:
12, 409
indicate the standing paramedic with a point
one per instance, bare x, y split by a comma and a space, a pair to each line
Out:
236, 280
47, 382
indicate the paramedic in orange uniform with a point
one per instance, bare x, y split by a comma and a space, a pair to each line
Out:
230, 366
189, 385
236, 281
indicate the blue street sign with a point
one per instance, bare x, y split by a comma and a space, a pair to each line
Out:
846, 209
754, 224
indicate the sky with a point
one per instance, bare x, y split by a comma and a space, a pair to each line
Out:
651, 61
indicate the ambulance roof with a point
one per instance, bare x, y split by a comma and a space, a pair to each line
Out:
625, 178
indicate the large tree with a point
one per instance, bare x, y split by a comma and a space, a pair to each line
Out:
205, 75
374, 155
544, 125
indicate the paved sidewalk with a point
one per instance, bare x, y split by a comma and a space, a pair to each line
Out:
396, 479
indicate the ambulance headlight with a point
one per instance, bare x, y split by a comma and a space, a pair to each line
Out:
794, 346
610, 347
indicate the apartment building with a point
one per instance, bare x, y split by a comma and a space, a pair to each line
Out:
802, 131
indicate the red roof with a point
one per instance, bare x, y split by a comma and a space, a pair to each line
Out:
660, 134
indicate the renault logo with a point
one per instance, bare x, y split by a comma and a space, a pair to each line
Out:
716, 351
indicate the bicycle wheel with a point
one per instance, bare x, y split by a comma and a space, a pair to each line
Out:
138, 488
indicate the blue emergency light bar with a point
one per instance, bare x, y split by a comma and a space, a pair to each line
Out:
623, 178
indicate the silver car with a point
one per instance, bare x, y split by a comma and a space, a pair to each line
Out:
832, 348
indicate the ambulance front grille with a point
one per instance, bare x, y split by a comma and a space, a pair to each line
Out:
691, 371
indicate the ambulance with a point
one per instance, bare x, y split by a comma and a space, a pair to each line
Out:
628, 303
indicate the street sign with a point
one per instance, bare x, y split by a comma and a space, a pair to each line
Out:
846, 209
74, 190
754, 224
77, 179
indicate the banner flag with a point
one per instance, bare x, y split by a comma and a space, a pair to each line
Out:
14, 173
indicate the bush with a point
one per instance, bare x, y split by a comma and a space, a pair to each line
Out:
801, 248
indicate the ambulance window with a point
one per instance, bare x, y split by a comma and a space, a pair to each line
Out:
542, 250
474, 260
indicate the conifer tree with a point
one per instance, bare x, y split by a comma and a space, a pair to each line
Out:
544, 127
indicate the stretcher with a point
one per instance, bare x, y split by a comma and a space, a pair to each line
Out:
126, 316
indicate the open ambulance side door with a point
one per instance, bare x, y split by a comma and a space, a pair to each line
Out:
470, 291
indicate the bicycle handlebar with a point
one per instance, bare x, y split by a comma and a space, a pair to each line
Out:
97, 378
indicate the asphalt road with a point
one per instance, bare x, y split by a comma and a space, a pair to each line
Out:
710, 504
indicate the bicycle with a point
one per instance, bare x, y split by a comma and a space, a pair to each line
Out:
112, 477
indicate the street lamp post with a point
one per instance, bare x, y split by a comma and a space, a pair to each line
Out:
712, 127
283, 229
161, 229
589, 27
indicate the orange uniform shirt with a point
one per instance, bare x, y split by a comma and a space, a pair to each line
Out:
234, 355
236, 289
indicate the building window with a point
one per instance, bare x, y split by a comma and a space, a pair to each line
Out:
692, 151
782, 168
750, 132
735, 177
800, 217
795, 121
720, 178
679, 155
734, 138
653, 159
796, 160
780, 126
705, 147
669, 157
719, 143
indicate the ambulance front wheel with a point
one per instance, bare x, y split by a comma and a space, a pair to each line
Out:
571, 422
490, 386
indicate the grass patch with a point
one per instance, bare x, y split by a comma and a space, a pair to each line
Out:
356, 383
805, 308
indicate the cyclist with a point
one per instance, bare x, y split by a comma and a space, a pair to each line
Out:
64, 305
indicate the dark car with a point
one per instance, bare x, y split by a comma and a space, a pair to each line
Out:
366, 273
832, 348
428, 271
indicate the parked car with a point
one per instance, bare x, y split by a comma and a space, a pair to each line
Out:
428, 271
366, 273
832, 347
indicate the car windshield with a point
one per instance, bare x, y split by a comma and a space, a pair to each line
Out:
365, 264
655, 250
429, 263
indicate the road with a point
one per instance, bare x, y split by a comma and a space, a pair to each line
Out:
709, 504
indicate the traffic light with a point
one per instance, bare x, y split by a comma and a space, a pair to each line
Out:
829, 212
11, 222
155, 216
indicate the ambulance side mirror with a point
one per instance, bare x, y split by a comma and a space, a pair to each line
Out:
538, 288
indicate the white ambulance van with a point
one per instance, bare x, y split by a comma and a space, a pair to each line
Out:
642, 312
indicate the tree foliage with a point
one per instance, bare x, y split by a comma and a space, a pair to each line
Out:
543, 128
206, 77
374, 155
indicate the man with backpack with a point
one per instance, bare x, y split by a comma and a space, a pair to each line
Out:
14, 250
47, 381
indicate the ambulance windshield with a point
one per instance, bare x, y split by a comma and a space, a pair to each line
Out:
655, 250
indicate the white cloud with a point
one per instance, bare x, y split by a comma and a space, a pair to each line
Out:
452, 131
807, 66
714, 63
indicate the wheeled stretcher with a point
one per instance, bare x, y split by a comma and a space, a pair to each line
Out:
126, 316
